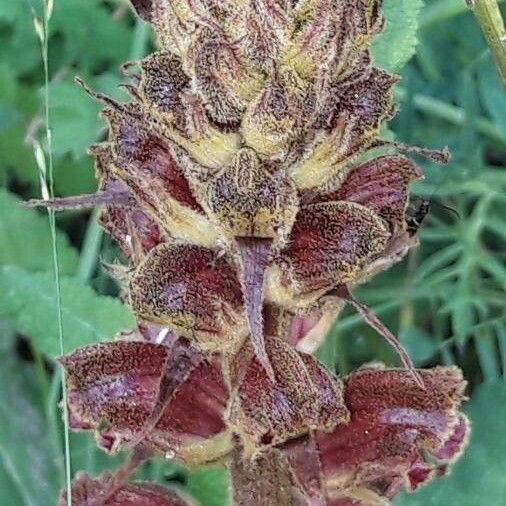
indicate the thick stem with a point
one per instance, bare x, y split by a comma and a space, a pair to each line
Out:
491, 23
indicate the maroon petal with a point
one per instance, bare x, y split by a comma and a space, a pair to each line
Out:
193, 291
329, 245
89, 492
132, 392
394, 426
300, 326
144, 160
115, 382
454, 445
304, 396
381, 185
303, 460
260, 45
134, 231
193, 420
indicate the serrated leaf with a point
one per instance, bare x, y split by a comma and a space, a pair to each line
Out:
393, 48
25, 239
26, 449
91, 35
478, 478
28, 302
21, 38
74, 119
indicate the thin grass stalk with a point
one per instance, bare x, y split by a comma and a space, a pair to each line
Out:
47, 188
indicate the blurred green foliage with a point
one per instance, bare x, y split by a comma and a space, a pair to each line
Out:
445, 301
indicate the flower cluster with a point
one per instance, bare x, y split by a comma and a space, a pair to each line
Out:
243, 185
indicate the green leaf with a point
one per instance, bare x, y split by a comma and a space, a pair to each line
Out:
479, 476
209, 485
74, 119
27, 301
20, 38
91, 35
86, 455
8, 489
485, 344
396, 45
25, 239
18, 104
26, 449
73, 177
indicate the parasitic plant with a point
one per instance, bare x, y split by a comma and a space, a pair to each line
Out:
248, 189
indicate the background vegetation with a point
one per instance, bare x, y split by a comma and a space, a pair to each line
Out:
445, 301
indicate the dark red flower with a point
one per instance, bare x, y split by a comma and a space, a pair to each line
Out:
131, 392
399, 436
100, 492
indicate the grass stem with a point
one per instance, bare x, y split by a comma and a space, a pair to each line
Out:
48, 191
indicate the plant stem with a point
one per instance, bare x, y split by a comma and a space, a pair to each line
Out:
48, 190
91, 248
491, 23
52, 414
